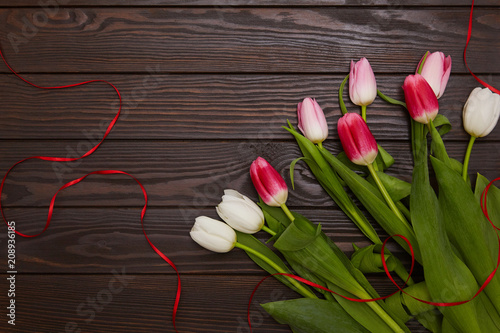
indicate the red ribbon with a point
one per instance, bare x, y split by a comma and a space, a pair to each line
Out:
76, 181
469, 33
386, 269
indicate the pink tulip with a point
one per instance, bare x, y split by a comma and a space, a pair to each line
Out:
436, 70
357, 140
420, 99
268, 183
362, 84
312, 121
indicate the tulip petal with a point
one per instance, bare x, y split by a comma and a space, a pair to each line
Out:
357, 140
268, 183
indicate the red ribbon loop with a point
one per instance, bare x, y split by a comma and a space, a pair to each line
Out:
76, 181
469, 34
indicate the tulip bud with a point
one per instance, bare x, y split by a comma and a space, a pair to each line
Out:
213, 235
240, 212
420, 99
362, 84
357, 140
268, 183
436, 70
312, 121
481, 112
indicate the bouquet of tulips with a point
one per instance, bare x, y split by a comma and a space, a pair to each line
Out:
448, 227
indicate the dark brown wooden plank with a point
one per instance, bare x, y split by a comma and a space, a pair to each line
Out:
53, 5
203, 106
177, 173
47, 303
94, 240
265, 40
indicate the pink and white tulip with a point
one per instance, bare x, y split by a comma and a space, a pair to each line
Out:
362, 84
357, 140
312, 121
268, 183
420, 99
436, 70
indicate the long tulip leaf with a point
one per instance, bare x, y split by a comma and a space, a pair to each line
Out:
311, 315
448, 279
377, 207
468, 228
492, 199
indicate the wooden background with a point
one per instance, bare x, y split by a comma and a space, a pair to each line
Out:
206, 86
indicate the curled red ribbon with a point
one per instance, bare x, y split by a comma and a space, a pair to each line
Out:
101, 172
469, 34
386, 269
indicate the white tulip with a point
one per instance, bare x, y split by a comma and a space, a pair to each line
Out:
213, 235
240, 212
481, 112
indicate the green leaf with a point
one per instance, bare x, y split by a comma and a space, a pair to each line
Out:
341, 95
384, 159
437, 146
398, 189
492, 200
313, 315
254, 243
364, 314
368, 260
297, 236
448, 279
347, 162
292, 167
332, 184
443, 123
468, 228
390, 100
372, 200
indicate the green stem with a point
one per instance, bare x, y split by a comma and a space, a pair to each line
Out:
269, 231
320, 145
363, 112
385, 194
300, 288
384, 315
287, 212
467, 157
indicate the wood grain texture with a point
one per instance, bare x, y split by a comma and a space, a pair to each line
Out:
178, 173
212, 303
229, 40
204, 106
51, 5
94, 240
206, 86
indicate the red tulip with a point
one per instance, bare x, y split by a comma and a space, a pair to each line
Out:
357, 140
268, 183
312, 121
436, 70
420, 99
